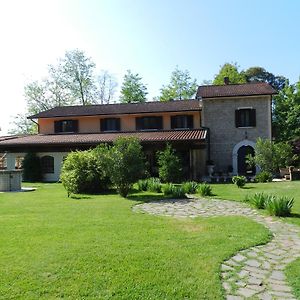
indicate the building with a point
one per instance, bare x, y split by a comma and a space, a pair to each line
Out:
220, 125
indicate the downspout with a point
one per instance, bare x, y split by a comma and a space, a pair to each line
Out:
208, 134
38, 126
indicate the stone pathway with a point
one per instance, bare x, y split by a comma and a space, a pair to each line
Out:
257, 272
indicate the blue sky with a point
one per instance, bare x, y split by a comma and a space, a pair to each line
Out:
148, 37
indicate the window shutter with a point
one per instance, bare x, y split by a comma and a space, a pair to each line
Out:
75, 125
190, 122
253, 117
57, 126
237, 118
159, 123
173, 122
118, 124
138, 123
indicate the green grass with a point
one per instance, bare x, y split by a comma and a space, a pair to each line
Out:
289, 189
95, 247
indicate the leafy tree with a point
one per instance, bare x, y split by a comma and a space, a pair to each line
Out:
86, 171
259, 74
181, 86
21, 125
107, 85
271, 156
31, 165
286, 113
170, 166
78, 76
126, 164
231, 71
133, 90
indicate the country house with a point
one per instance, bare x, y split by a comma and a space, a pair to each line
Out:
219, 126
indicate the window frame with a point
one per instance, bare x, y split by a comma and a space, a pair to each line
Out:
47, 164
244, 121
188, 119
59, 126
103, 124
140, 123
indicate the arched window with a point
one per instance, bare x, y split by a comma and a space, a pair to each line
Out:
47, 163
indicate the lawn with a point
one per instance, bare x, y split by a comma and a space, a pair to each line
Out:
288, 188
95, 247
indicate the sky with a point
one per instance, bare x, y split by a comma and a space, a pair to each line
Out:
148, 37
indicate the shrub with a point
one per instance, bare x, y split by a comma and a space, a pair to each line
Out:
259, 200
86, 171
240, 181
279, 206
31, 165
142, 185
170, 169
174, 191
190, 187
204, 189
154, 185
264, 176
126, 164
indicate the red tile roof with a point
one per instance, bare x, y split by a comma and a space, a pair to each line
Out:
232, 90
120, 108
96, 138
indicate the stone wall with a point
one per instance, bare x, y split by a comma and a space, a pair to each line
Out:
218, 115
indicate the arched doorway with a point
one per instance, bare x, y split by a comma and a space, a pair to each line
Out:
242, 167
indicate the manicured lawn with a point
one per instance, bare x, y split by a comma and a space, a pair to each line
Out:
95, 247
290, 189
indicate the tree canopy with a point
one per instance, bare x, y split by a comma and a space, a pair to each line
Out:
181, 86
231, 71
133, 90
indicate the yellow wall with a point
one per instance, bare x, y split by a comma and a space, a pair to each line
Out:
92, 124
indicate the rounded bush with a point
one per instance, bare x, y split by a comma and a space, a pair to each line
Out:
240, 181
264, 176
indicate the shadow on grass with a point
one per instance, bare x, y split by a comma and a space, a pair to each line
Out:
247, 187
295, 215
79, 197
146, 197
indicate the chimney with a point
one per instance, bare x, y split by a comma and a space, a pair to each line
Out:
226, 80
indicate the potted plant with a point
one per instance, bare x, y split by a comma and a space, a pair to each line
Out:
210, 167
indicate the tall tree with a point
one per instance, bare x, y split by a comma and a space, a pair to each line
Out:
286, 113
232, 72
78, 71
259, 74
181, 86
133, 90
107, 85
21, 125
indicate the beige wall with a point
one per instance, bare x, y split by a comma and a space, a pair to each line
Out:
92, 124
219, 116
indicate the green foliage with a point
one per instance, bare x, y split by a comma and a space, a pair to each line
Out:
21, 125
126, 164
86, 171
271, 156
264, 176
190, 187
204, 189
154, 185
231, 71
31, 165
174, 191
279, 206
170, 165
133, 90
259, 74
181, 86
239, 181
259, 200
142, 185
286, 113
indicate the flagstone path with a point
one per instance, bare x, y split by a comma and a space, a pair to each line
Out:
254, 273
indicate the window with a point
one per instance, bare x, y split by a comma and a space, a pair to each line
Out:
110, 124
245, 117
66, 126
182, 121
47, 163
149, 123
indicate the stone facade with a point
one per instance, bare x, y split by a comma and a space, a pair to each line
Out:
218, 114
